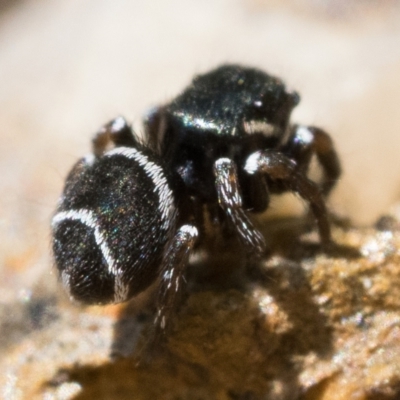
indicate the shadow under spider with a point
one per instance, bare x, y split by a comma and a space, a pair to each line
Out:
222, 270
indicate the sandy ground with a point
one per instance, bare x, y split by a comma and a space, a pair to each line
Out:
68, 66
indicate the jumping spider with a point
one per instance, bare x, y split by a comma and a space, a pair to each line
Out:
132, 214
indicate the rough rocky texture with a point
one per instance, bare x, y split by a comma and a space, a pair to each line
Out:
302, 325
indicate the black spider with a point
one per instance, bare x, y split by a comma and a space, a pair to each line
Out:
133, 213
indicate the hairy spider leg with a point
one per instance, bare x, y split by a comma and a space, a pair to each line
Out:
279, 167
172, 268
117, 132
303, 142
230, 200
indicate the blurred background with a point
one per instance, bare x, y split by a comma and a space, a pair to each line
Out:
66, 67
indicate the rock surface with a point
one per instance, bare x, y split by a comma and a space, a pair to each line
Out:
306, 325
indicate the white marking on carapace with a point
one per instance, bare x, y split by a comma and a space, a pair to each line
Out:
258, 126
87, 218
156, 174
198, 122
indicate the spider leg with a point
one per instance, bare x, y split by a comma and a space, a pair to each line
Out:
155, 127
171, 274
230, 200
305, 141
116, 132
278, 166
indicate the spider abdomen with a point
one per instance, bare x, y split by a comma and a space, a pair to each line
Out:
112, 225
